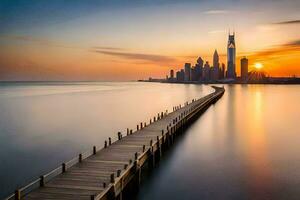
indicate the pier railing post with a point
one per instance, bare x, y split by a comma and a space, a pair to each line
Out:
109, 141
94, 150
17, 195
42, 181
112, 178
63, 167
80, 157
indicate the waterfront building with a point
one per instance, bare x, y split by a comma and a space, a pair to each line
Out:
171, 74
206, 72
180, 76
216, 66
231, 56
187, 71
222, 71
244, 69
198, 69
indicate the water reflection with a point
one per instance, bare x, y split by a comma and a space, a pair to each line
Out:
44, 124
246, 146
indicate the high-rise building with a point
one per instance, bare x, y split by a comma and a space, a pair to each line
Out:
216, 66
171, 74
206, 72
187, 71
198, 69
244, 69
231, 55
222, 71
180, 76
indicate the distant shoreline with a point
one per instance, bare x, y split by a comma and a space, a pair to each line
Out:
273, 82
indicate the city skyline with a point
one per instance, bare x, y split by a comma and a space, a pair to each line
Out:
129, 40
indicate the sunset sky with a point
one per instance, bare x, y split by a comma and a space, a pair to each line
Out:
136, 39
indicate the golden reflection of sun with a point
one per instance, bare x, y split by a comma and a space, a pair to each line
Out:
258, 65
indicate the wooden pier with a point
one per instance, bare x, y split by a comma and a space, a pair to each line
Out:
104, 174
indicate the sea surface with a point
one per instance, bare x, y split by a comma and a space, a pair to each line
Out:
43, 124
246, 146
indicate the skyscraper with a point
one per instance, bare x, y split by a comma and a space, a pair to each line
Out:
198, 69
231, 54
244, 68
187, 71
172, 74
216, 66
206, 72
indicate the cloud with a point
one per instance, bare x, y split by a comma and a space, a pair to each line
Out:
39, 41
154, 58
287, 22
277, 51
216, 31
109, 48
217, 12
51, 43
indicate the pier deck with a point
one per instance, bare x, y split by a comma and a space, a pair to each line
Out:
104, 173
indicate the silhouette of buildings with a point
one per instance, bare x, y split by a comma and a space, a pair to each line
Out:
231, 55
222, 71
206, 72
180, 76
216, 67
187, 72
244, 69
172, 74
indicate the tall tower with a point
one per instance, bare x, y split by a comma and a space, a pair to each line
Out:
187, 71
216, 66
231, 54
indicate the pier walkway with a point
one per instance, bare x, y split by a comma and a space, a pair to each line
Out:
103, 173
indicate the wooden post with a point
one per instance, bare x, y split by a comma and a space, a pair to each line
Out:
109, 141
17, 195
145, 124
137, 127
63, 167
112, 178
92, 197
119, 135
94, 150
144, 147
80, 158
42, 181
130, 131
127, 131
105, 144
150, 121
136, 155
104, 185
118, 173
141, 125
151, 142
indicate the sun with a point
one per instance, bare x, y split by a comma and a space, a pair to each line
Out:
258, 65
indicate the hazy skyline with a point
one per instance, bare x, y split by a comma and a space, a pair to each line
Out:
127, 40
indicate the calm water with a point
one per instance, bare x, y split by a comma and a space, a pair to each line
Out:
45, 124
246, 146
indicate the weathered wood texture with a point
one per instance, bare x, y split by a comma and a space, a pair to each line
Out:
104, 174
